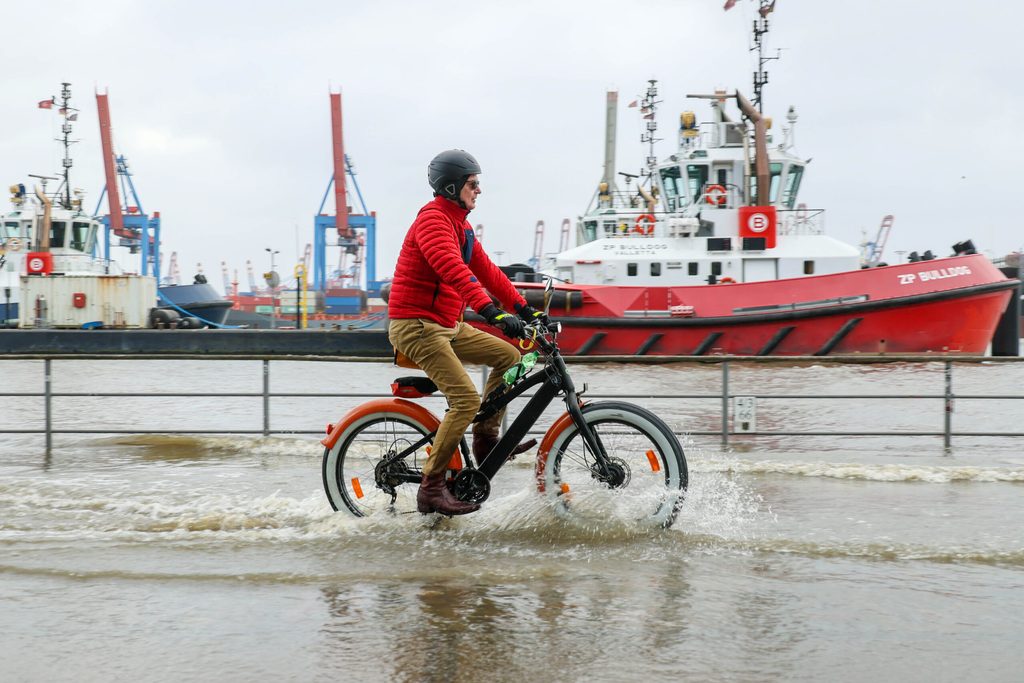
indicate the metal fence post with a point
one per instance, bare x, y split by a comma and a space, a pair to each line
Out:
266, 397
725, 403
48, 403
947, 436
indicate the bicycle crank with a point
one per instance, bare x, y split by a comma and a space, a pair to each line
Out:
471, 486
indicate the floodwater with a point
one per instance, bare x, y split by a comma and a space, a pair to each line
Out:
175, 556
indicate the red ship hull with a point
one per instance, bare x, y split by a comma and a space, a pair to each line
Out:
949, 305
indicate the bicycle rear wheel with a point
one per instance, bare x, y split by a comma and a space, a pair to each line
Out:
350, 469
649, 474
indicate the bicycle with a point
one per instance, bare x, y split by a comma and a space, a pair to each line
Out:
596, 455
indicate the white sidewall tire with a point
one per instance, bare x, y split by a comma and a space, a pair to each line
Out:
667, 442
333, 455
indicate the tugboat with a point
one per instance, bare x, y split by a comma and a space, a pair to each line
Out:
711, 252
49, 273
197, 304
51, 276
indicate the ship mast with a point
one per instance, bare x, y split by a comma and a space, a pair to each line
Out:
647, 107
66, 112
760, 30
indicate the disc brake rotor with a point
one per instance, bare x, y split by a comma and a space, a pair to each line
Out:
618, 473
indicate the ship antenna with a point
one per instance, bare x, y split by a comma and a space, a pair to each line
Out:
70, 114
760, 30
647, 108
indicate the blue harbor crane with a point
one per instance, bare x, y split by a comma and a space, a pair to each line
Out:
355, 232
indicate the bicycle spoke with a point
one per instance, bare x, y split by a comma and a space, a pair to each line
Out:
641, 481
351, 469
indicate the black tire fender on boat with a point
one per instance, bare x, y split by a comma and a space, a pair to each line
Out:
560, 299
161, 317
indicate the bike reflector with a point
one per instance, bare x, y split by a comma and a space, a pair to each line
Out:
357, 487
653, 459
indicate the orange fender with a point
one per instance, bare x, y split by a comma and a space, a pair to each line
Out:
559, 425
381, 405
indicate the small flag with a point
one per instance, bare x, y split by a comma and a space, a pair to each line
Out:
62, 111
729, 4
631, 104
73, 117
46, 104
768, 9
649, 116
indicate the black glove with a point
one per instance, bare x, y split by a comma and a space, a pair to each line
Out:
509, 324
531, 314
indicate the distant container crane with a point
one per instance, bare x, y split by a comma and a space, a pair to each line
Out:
871, 253
173, 274
356, 233
251, 277
538, 246
129, 222
536, 261
227, 278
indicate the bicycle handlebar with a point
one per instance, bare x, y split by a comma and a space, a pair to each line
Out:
542, 335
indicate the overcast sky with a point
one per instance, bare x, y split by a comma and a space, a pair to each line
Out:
908, 108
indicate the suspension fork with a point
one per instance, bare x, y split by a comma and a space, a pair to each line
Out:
572, 405
590, 437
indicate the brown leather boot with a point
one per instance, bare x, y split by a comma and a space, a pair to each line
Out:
434, 496
484, 443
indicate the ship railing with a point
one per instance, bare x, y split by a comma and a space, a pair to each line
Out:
618, 201
801, 221
85, 263
731, 411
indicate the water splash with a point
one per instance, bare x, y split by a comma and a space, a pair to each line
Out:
892, 472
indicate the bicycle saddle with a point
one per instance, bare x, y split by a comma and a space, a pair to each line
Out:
413, 387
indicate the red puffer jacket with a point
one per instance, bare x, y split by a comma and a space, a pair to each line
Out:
442, 269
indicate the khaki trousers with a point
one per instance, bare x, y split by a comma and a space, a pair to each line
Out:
440, 352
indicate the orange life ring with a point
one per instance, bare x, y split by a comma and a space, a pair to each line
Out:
715, 195
644, 218
726, 281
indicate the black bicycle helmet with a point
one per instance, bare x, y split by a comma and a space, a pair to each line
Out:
448, 171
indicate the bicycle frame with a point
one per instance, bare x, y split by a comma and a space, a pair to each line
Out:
553, 380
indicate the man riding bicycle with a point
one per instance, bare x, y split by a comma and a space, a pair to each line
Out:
442, 269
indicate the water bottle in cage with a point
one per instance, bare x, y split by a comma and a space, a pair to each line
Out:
520, 369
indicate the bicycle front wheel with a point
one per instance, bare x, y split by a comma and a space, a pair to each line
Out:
354, 478
647, 474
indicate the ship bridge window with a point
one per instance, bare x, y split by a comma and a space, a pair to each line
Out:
792, 186
58, 229
79, 235
9, 229
631, 269
675, 190
589, 231
775, 173
697, 175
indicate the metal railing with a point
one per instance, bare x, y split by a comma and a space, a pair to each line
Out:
723, 397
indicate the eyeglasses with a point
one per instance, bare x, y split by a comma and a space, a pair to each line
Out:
473, 184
